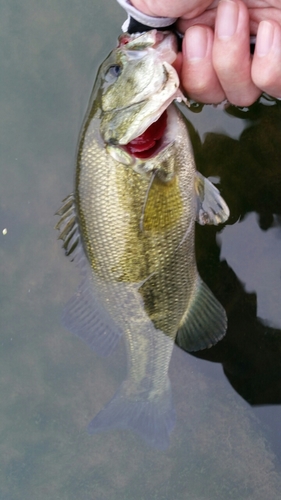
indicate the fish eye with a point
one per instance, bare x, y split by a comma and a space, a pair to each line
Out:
113, 72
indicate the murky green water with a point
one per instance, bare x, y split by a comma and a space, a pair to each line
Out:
225, 444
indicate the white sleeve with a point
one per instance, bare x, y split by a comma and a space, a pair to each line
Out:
154, 22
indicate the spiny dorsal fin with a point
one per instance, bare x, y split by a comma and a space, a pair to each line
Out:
68, 228
84, 315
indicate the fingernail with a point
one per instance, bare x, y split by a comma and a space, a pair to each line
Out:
227, 19
265, 37
196, 43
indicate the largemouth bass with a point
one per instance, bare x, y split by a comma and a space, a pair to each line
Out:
130, 227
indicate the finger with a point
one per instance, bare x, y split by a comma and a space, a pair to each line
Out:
266, 13
207, 18
176, 8
198, 76
231, 53
266, 67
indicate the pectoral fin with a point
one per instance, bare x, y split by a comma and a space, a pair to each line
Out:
204, 322
211, 207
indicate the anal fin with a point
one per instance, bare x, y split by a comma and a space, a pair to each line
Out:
204, 322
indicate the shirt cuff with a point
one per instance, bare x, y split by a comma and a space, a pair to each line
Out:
151, 21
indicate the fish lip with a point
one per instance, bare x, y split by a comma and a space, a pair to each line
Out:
165, 41
130, 106
169, 39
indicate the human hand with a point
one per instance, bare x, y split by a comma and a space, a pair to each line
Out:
216, 62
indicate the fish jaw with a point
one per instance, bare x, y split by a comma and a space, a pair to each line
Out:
121, 126
147, 85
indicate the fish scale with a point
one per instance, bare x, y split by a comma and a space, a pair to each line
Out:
110, 202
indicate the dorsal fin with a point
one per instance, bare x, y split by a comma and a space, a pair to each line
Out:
69, 230
84, 315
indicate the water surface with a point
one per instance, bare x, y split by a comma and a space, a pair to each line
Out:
226, 443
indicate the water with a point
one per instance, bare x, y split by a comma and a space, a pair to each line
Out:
226, 443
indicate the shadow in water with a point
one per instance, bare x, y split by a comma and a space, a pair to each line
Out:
250, 172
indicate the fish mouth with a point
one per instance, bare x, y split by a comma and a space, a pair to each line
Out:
149, 143
148, 136
154, 110
142, 127
157, 137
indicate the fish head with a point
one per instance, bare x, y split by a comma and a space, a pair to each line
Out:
138, 83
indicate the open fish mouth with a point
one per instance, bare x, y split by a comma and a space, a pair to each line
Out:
142, 141
159, 134
157, 137
149, 142
145, 140
153, 140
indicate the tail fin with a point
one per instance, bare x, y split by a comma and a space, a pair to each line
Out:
153, 420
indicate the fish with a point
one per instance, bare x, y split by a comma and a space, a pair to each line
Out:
129, 227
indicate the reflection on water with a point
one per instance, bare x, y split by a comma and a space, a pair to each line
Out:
246, 272
257, 264
51, 384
